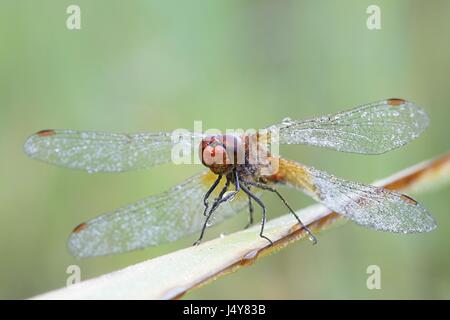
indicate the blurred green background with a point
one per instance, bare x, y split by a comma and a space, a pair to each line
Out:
159, 65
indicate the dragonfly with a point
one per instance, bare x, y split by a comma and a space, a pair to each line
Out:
227, 186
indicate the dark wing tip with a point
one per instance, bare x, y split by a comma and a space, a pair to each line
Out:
46, 133
79, 227
396, 101
424, 220
31, 146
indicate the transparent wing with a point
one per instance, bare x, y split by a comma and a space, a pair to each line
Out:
371, 129
370, 206
103, 151
154, 220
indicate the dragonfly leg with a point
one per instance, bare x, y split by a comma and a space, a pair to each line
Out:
216, 203
263, 207
208, 193
250, 212
268, 188
250, 205
236, 180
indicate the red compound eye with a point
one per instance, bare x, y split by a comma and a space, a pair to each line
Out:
213, 152
214, 155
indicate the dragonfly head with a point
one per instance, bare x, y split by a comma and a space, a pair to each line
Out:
221, 152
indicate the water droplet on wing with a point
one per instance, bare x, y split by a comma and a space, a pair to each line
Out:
286, 120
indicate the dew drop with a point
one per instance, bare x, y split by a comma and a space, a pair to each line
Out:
230, 195
286, 120
250, 255
174, 293
211, 221
312, 239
